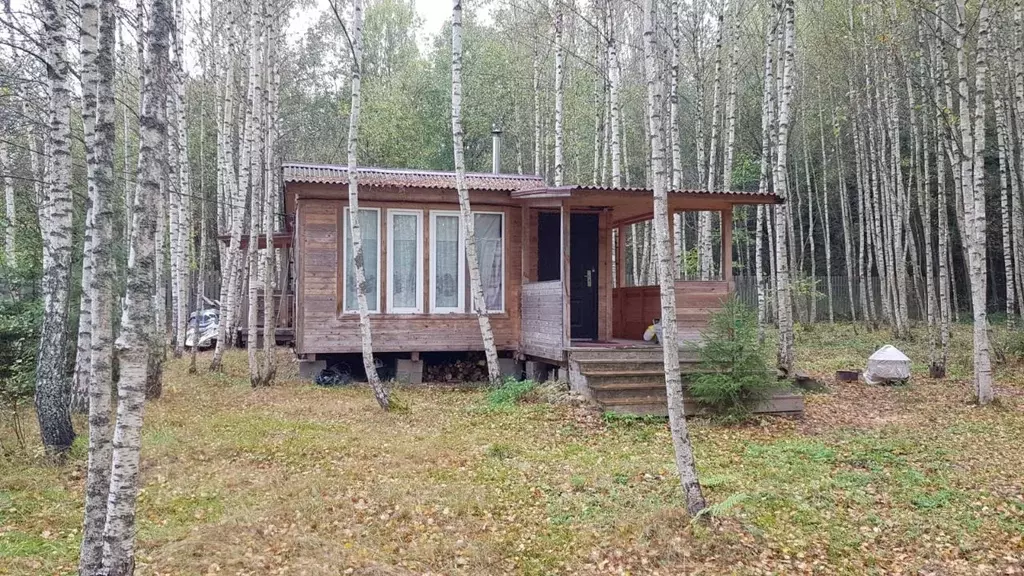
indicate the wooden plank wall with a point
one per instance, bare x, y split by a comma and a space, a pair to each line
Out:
321, 327
542, 320
636, 306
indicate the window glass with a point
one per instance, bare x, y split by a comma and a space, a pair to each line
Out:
490, 257
405, 262
369, 224
446, 262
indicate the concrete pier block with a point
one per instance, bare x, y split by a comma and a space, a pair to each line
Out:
537, 371
409, 371
511, 368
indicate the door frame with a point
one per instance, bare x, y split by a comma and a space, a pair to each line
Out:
598, 291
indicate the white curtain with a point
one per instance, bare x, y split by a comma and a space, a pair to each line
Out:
489, 256
405, 237
446, 261
368, 223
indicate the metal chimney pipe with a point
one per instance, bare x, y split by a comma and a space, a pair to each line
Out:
495, 148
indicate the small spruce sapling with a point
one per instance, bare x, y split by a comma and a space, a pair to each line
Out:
735, 372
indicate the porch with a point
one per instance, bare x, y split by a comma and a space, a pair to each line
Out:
581, 310
575, 288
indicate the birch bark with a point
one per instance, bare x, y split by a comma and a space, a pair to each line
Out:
138, 335
974, 191
685, 464
355, 229
9, 214
705, 224
559, 96
98, 45
782, 224
53, 388
476, 286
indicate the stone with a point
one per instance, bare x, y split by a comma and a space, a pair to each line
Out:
409, 371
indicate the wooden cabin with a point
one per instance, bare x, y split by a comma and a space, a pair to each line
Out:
548, 262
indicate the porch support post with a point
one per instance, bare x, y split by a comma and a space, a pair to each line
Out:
727, 247
566, 325
604, 276
527, 246
620, 258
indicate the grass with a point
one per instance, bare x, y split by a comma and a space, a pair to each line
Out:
297, 479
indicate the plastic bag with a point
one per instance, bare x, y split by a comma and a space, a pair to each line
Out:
887, 364
653, 332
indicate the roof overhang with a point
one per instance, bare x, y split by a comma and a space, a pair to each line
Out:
618, 194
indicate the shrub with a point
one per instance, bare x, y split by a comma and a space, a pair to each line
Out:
19, 339
510, 392
735, 371
1013, 344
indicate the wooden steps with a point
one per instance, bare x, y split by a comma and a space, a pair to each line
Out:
631, 380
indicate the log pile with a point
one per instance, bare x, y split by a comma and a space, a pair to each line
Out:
473, 368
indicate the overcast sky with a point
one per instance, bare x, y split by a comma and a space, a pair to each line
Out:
434, 13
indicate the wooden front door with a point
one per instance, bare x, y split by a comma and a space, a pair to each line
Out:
584, 253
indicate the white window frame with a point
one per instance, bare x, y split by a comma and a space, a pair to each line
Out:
434, 308
344, 259
418, 309
503, 257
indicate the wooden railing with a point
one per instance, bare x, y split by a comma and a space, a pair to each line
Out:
542, 319
635, 307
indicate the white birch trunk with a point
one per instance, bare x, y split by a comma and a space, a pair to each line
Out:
353, 202
98, 45
254, 141
475, 284
614, 73
53, 387
182, 205
9, 211
536, 116
685, 463
974, 192
1004, 203
782, 224
138, 334
559, 96
271, 171
705, 224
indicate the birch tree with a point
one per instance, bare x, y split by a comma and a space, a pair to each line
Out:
780, 183
356, 47
559, 95
53, 388
972, 129
138, 334
466, 212
98, 44
685, 463
9, 211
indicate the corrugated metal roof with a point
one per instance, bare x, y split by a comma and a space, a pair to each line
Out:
568, 190
369, 176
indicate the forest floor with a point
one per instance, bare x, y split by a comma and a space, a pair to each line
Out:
298, 479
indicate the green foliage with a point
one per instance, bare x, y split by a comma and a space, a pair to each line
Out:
736, 371
691, 262
722, 508
1013, 344
510, 393
19, 339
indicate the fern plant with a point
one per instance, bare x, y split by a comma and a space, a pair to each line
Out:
735, 372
